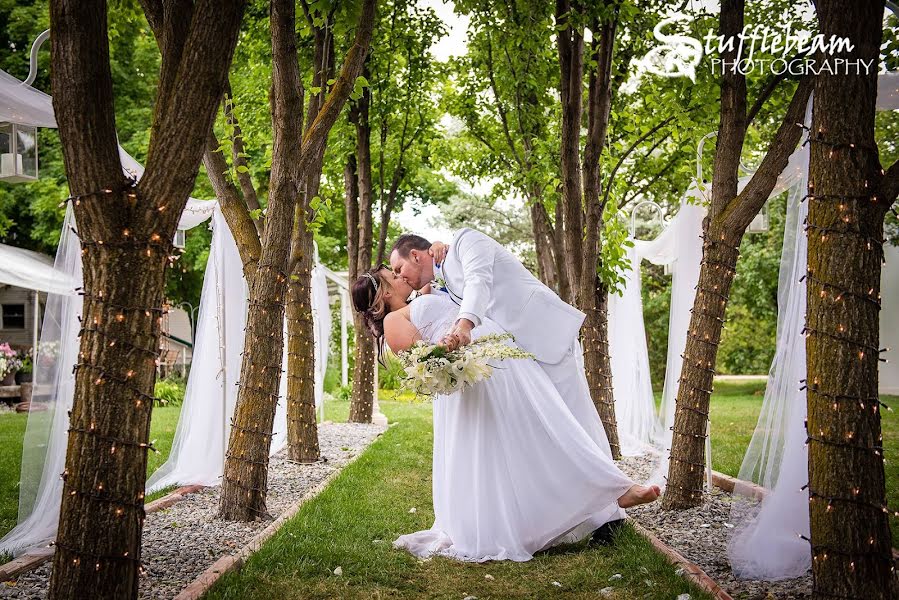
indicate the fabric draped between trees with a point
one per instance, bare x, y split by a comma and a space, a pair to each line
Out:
678, 246
198, 450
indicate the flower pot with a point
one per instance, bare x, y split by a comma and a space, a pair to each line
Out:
10, 379
23, 377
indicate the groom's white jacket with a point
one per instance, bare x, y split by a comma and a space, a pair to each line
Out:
486, 280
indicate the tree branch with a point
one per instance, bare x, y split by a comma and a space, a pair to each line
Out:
183, 122
239, 160
628, 152
233, 208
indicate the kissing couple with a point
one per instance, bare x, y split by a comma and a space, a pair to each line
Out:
521, 460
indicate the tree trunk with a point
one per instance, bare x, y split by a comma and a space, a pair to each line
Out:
245, 479
543, 243
598, 366
686, 471
558, 241
244, 484
98, 540
302, 430
571, 63
850, 532
364, 371
125, 252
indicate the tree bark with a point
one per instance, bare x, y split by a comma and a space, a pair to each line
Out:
125, 252
597, 363
582, 202
850, 532
364, 370
729, 216
571, 63
302, 430
543, 243
244, 485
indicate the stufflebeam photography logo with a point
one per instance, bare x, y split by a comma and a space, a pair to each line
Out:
756, 48
677, 56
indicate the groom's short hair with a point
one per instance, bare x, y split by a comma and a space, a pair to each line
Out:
408, 242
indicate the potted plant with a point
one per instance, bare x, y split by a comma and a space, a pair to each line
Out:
11, 363
24, 374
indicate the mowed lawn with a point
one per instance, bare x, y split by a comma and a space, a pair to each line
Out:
352, 523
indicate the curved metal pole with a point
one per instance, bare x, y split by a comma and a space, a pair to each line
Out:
32, 69
634, 215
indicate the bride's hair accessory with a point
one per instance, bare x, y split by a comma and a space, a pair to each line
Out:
373, 279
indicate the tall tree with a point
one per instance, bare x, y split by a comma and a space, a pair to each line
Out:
729, 215
302, 431
582, 201
294, 153
394, 123
849, 196
362, 403
126, 230
504, 97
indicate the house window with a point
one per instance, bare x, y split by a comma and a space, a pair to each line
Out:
13, 316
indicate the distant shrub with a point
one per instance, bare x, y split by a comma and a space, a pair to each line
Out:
170, 392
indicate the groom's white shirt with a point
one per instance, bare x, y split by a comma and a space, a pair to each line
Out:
486, 280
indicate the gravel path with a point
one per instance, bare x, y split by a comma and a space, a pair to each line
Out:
182, 541
700, 534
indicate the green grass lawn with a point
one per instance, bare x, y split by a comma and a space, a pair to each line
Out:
352, 523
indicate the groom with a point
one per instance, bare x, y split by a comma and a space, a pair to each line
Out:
486, 280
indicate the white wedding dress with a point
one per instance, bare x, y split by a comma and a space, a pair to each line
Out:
513, 470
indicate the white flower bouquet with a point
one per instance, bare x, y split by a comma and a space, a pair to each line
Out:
432, 369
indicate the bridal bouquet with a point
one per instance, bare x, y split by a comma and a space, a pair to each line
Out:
432, 369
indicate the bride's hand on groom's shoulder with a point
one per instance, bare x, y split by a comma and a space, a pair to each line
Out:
438, 250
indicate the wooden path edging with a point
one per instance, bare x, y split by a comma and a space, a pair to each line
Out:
28, 562
692, 571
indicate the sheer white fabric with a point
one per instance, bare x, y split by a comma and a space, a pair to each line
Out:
31, 270
765, 543
200, 441
513, 471
635, 411
889, 322
44, 445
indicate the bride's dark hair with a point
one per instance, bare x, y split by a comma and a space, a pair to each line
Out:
368, 299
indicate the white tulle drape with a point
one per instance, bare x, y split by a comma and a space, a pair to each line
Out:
198, 449
635, 411
44, 444
765, 542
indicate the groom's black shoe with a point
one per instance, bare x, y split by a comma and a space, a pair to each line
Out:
605, 535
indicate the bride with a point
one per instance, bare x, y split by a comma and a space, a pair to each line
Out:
513, 471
